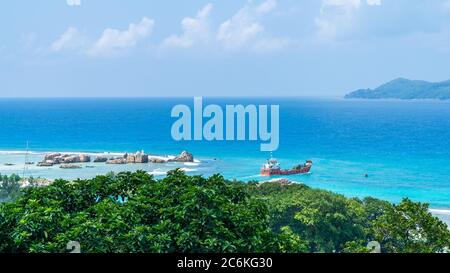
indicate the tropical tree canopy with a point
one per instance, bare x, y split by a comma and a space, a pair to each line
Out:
133, 212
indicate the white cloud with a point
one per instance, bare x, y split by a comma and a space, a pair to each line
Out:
73, 2
238, 31
113, 41
195, 30
245, 29
70, 39
338, 16
267, 6
446, 5
350, 3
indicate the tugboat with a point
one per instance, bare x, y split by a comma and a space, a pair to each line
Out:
272, 167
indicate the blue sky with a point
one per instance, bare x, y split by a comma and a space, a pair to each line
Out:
84, 48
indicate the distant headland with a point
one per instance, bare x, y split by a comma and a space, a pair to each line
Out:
405, 89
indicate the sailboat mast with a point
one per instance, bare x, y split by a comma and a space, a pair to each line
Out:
25, 166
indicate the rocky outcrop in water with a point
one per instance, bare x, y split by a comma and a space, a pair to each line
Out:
51, 156
51, 159
117, 161
85, 158
71, 159
156, 160
100, 159
139, 157
45, 164
185, 156
68, 160
70, 166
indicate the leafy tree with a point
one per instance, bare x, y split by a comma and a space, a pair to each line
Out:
290, 242
133, 212
326, 221
358, 246
9, 187
410, 228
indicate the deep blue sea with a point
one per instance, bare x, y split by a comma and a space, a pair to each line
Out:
404, 146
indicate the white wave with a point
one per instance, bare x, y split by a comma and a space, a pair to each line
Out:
197, 161
107, 153
104, 153
191, 164
158, 157
19, 153
188, 170
91, 153
251, 176
158, 172
440, 211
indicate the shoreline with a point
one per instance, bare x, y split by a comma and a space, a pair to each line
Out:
156, 169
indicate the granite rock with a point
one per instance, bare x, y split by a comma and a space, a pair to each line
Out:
185, 156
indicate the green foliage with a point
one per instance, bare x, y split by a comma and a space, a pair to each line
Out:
133, 212
358, 246
9, 187
327, 222
409, 228
324, 220
290, 242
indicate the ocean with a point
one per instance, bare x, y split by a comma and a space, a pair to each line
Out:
403, 146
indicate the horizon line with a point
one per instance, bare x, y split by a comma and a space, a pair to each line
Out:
168, 97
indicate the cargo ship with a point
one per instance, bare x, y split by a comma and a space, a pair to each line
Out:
272, 167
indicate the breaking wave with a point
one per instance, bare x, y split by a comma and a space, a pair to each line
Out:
440, 211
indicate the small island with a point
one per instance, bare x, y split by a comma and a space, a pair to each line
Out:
405, 89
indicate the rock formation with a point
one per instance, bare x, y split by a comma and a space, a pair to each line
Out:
100, 159
129, 157
45, 164
117, 160
51, 156
157, 160
139, 157
72, 159
70, 166
183, 157
51, 159
85, 158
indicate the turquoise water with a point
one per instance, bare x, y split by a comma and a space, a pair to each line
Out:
404, 146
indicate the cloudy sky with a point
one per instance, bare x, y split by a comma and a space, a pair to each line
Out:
85, 48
